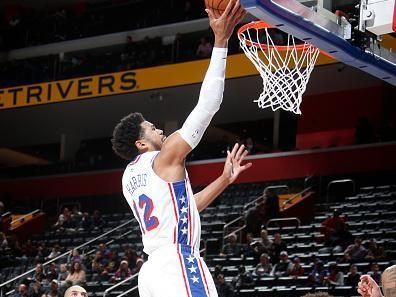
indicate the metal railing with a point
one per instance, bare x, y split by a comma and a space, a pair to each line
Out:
120, 283
290, 200
2, 286
337, 182
283, 220
22, 218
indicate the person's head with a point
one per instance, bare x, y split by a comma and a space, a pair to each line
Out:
75, 267
139, 263
374, 267
264, 234
358, 241
54, 285
336, 213
264, 259
63, 267
232, 238
249, 237
75, 253
353, 269
22, 289
39, 268
124, 265
134, 135
241, 269
220, 278
388, 280
283, 256
277, 238
75, 291
297, 261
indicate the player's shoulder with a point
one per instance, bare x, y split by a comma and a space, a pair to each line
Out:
141, 160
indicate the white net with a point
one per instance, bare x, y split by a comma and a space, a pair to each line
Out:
285, 69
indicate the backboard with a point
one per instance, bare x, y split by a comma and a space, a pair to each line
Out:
352, 31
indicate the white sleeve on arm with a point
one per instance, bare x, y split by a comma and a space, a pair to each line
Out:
210, 98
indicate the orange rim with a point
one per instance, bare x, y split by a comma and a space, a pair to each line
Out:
263, 25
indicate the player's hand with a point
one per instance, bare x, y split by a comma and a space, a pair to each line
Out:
232, 166
224, 25
367, 287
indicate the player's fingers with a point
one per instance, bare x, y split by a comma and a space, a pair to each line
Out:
234, 150
210, 13
240, 16
235, 9
246, 166
229, 8
244, 154
239, 152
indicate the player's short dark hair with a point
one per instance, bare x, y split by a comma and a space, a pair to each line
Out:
127, 131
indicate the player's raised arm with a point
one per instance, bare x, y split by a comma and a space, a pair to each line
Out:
169, 164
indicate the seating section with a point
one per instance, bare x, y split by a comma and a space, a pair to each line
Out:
370, 215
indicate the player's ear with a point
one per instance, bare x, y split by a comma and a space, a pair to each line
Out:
140, 144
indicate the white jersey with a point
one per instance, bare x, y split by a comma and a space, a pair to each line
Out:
166, 211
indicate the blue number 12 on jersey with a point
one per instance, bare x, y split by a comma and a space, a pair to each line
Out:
150, 222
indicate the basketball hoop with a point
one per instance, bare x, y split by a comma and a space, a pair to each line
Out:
285, 68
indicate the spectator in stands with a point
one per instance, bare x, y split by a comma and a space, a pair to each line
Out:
355, 252
284, 266
53, 290
63, 273
278, 246
297, 269
232, 248
368, 287
264, 268
39, 273
249, 247
224, 289
22, 291
139, 264
55, 252
255, 217
105, 254
52, 272
76, 275
243, 279
97, 221
335, 277
375, 272
76, 215
374, 251
86, 222
123, 271
97, 263
271, 201
353, 277
317, 275
265, 244
204, 49
35, 289
335, 231
75, 256
249, 144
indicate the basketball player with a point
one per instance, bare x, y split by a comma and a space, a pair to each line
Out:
157, 188
75, 291
369, 288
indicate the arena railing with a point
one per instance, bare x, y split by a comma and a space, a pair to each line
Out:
3, 285
337, 182
284, 204
22, 218
120, 283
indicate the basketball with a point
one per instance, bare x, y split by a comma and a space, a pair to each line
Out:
218, 6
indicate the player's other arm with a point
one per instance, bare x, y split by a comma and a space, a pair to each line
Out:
169, 164
231, 171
